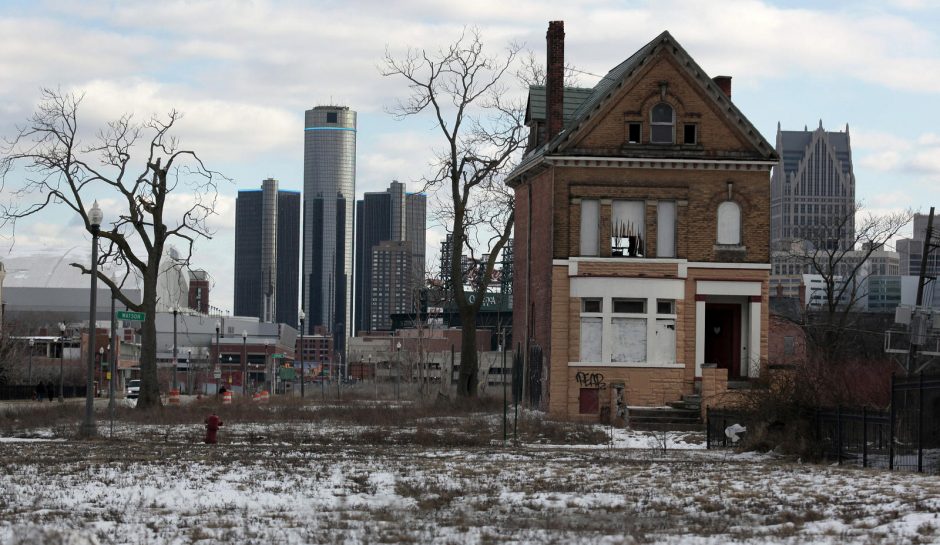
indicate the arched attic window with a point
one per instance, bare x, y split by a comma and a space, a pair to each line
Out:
729, 223
662, 124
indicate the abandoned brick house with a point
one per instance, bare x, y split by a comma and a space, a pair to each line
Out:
641, 239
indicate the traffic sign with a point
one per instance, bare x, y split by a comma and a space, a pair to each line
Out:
217, 374
131, 315
277, 355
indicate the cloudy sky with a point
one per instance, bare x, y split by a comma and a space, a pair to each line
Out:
243, 72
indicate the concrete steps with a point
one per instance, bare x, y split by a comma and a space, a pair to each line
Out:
683, 415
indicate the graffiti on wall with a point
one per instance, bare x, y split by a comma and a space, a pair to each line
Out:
590, 380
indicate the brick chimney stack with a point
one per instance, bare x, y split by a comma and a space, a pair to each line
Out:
723, 83
555, 78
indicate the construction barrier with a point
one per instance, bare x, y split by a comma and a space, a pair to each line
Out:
256, 396
174, 397
227, 398
264, 396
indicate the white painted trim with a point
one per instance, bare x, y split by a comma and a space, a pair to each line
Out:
684, 267
723, 287
620, 161
631, 260
699, 337
560, 262
641, 288
572, 268
643, 365
754, 342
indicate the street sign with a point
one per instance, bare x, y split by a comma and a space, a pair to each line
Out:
131, 315
217, 374
277, 355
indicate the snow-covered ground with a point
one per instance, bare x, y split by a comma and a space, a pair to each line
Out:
310, 483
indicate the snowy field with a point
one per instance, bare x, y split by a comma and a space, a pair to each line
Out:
307, 483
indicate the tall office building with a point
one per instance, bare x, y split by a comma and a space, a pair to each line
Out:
911, 250
812, 187
812, 200
267, 253
383, 285
329, 198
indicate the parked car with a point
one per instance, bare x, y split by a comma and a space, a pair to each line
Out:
133, 388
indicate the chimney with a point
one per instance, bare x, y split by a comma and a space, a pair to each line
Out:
555, 78
723, 83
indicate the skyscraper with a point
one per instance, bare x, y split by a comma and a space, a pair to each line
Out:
384, 282
812, 201
812, 186
267, 251
329, 197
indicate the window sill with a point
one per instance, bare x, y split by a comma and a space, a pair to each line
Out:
730, 248
640, 364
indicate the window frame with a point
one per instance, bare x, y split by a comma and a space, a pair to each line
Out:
658, 124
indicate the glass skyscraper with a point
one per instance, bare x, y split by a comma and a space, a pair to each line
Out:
267, 251
329, 199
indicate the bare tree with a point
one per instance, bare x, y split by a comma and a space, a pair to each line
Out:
48, 165
482, 131
840, 253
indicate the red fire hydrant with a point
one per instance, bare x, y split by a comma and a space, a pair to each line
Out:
213, 423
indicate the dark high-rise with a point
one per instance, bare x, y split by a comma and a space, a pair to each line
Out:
386, 280
267, 253
329, 198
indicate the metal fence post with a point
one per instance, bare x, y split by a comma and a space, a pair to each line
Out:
708, 428
891, 428
839, 434
920, 424
865, 436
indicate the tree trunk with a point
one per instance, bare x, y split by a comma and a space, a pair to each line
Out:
149, 382
469, 364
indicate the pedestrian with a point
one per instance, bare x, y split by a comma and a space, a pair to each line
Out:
213, 423
40, 391
50, 391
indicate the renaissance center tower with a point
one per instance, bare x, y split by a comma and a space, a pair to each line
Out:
329, 201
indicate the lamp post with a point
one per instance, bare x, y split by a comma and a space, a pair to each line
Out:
101, 366
375, 378
176, 361
398, 379
303, 368
189, 371
218, 355
88, 428
29, 371
273, 380
61, 356
245, 362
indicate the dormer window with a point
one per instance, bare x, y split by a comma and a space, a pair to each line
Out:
662, 124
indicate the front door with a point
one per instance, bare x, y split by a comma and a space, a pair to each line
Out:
723, 337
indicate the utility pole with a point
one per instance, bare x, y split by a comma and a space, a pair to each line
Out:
917, 323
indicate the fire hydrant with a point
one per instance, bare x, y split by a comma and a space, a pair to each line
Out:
213, 423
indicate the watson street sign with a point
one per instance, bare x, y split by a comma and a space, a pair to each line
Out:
130, 315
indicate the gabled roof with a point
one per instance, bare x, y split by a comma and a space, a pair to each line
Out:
574, 97
616, 78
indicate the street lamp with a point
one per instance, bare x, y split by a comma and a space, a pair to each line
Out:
88, 428
61, 356
189, 371
176, 361
375, 378
100, 366
29, 372
398, 380
218, 355
303, 367
245, 362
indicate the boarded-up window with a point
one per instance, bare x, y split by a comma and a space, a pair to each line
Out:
628, 342
729, 223
666, 229
589, 401
591, 339
663, 343
788, 347
590, 220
